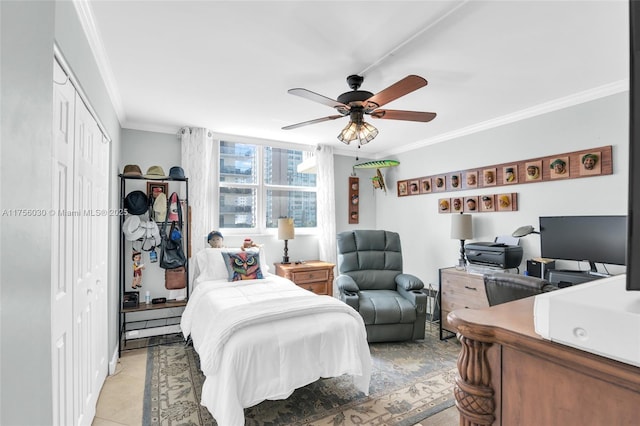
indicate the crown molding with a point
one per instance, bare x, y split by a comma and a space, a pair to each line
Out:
85, 15
599, 92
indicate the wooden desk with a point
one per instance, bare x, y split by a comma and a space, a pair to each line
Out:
508, 375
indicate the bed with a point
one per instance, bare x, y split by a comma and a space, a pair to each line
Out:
262, 338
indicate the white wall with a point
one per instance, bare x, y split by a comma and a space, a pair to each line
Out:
29, 30
425, 233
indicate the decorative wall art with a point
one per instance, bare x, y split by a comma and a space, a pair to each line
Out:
503, 202
354, 199
440, 183
425, 185
471, 179
570, 165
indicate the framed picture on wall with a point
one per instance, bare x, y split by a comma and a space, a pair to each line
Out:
455, 181
414, 187
533, 170
444, 205
402, 188
471, 179
510, 174
504, 202
439, 183
486, 203
590, 164
457, 205
425, 185
470, 204
559, 168
489, 177
156, 188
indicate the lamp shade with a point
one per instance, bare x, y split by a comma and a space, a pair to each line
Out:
286, 230
461, 227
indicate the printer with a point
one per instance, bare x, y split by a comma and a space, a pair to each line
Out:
501, 255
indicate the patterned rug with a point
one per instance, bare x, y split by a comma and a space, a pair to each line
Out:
411, 381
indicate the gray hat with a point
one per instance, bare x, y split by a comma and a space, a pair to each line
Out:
176, 173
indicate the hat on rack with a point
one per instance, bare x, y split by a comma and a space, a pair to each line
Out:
133, 229
176, 173
132, 170
155, 172
136, 202
160, 207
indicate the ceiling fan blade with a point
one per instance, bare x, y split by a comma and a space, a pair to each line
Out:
317, 120
393, 114
313, 96
396, 90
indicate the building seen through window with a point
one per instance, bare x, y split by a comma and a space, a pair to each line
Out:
259, 184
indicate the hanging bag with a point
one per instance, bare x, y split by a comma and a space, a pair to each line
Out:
175, 279
172, 254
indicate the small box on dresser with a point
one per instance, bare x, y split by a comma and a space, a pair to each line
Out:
459, 290
312, 275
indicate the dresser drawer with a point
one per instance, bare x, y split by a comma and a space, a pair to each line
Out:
460, 290
303, 277
317, 288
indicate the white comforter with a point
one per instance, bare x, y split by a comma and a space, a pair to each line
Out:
262, 339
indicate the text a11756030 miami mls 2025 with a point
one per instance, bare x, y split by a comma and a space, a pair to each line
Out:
61, 212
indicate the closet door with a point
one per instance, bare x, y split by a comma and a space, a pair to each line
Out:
62, 248
79, 189
89, 270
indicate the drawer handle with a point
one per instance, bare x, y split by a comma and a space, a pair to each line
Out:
470, 288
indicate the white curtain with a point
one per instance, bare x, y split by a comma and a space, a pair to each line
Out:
326, 204
200, 163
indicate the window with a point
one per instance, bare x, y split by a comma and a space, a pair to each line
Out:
259, 184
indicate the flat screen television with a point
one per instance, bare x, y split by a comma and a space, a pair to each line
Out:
594, 239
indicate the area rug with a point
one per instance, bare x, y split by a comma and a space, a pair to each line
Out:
411, 381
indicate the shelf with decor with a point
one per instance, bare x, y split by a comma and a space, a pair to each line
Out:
142, 232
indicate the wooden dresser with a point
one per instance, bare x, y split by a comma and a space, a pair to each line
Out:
312, 275
459, 290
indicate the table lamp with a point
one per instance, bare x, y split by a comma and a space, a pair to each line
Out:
286, 232
461, 229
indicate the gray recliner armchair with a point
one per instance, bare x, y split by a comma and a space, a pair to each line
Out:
371, 281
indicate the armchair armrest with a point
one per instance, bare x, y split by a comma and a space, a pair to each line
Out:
348, 291
409, 282
346, 284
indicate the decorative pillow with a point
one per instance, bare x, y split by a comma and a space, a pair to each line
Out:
243, 265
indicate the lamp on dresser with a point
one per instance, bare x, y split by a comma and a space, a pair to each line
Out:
461, 229
286, 232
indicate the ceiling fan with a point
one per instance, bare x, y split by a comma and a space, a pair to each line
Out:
357, 103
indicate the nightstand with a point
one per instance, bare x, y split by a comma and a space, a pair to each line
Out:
312, 275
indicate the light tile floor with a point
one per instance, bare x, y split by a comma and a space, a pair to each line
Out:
121, 399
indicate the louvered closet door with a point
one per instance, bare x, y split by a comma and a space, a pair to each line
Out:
79, 258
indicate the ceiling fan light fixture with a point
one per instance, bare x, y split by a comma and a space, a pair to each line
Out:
366, 133
363, 132
349, 133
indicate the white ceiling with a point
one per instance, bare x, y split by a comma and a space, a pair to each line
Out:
227, 65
